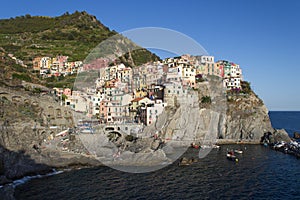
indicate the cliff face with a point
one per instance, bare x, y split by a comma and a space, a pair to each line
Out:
28, 123
247, 119
26, 119
231, 117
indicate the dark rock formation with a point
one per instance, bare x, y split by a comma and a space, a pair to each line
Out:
296, 135
186, 161
276, 136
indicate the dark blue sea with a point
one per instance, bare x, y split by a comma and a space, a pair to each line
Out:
261, 173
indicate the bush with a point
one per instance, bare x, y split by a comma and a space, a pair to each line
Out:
130, 138
37, 90
206, 99
246, 88
24, 77
19, 68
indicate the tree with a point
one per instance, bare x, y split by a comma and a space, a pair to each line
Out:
246, 88
64, 97
206, 99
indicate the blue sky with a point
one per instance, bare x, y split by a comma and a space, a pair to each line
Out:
263, 36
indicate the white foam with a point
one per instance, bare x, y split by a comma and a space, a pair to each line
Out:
25, 179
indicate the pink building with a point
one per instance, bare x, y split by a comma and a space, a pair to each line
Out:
67, 92
96, 64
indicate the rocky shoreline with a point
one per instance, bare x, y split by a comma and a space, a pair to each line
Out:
73, 161
49, 160
233, 141
280, 141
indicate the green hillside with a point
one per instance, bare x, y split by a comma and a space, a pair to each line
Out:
73, 35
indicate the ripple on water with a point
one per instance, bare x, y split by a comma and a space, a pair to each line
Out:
260, 173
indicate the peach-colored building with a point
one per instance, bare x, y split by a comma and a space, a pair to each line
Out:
67, 92
103, 111
36, 63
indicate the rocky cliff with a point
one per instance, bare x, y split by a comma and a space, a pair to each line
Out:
226, 117
29, 122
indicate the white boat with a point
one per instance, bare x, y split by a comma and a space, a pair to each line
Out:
230, 155
279, 145
238, 151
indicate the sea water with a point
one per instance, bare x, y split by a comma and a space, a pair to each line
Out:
260, 173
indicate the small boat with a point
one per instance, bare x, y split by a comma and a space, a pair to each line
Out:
279, 145
238, 151
230, 155
195, 146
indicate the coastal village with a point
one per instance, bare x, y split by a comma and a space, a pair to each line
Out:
57, 66
121, 99
60, 112
123, 94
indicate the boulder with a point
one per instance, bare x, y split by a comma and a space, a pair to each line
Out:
296, 135
281, 135
186, 161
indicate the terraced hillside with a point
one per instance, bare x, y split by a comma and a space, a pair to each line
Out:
73, 35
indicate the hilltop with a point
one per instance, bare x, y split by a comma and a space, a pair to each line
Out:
73, 35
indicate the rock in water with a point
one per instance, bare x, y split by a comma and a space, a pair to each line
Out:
187, 161
276, 136
296, 135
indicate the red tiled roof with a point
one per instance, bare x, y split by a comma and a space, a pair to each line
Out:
137, 99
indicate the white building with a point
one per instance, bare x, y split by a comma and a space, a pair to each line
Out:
151, 111
173, 92
207, 59
96, 104
77, 103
